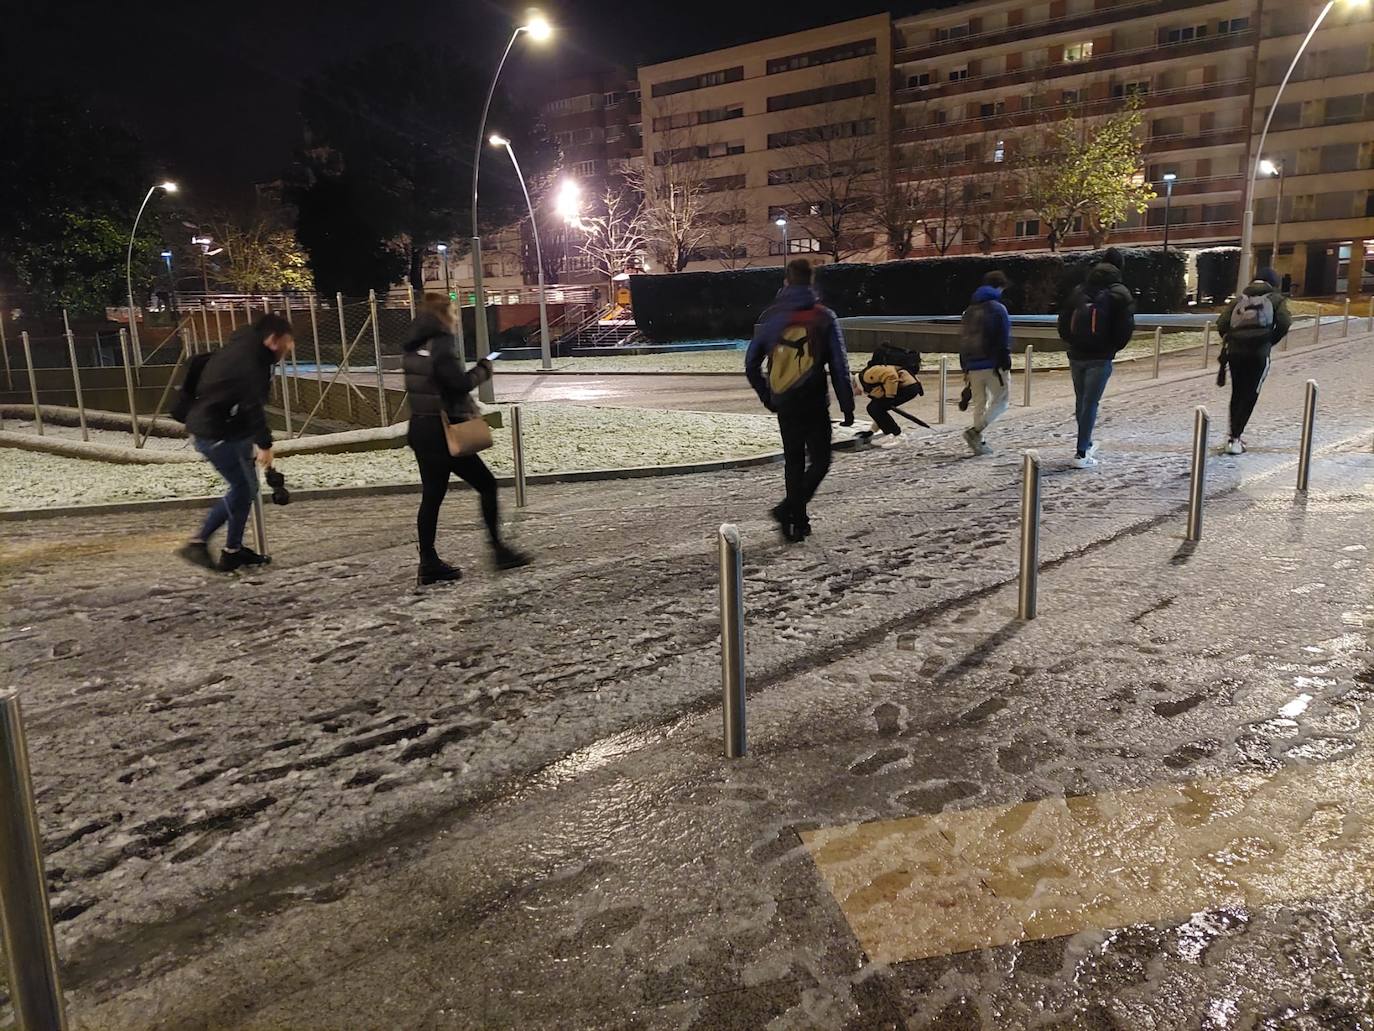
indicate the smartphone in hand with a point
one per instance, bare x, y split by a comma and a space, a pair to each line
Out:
493, 356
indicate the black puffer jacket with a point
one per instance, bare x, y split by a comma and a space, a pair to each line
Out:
1102, 276
232, 392
435, 378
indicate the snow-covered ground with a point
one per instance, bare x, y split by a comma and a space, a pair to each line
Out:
557, 438
687, 362
113, 438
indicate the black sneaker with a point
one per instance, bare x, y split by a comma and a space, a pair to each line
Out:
244, 558
198, 554
435, 570
509, 558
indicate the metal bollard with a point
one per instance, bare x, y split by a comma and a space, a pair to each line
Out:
9, 379
33, 383
76, 376
1030, 536
286, 398
944, 390
1207, 344
259, 524
1309, 418
1317, 332
517, 446
1159, 341
129, 383
1030, 369
35, 986
1345, 323
315, 336
732, 638
1197, 479
1371, 329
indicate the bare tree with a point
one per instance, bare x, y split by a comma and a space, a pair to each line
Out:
838, 179
613, 236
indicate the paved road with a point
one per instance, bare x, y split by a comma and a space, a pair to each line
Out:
207, 750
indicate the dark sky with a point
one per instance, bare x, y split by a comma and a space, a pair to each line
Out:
212, 87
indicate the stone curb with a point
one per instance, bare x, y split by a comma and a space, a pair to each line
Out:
388, 489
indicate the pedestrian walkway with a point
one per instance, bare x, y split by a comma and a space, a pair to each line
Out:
262, 746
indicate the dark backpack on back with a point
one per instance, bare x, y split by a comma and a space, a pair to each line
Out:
1090, 322
901, 357
186, 396
974, 327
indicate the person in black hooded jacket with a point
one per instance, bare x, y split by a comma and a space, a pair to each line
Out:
439, 386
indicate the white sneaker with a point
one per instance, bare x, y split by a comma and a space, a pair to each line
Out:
1092, 450
1235, 446
885, 441
1087, 461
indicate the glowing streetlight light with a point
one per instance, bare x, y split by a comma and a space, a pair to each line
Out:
539, 30
567, 202
545, 349
1169, 178
1274, 169
782, 224
165, 187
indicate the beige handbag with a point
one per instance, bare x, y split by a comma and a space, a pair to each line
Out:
467, 437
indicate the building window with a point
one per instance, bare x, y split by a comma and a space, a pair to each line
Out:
668, 89
828, 55
586, 168
718, 253
949, 32
1182, 35
687, 119
1027, 227
1068, 96
827, 170
1344, 109
823, 95
723, 182
939, 117
991, 110
918, 81
1078, 51
795, 245
958, 74
1228, 25
1131, 89
613, 98
614, 133
819, 133
999, 152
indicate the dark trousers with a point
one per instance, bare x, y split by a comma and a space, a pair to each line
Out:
880, 409
426, 438
233, 460
1248, 373
806, 454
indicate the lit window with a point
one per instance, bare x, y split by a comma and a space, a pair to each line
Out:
1079, 51
999, 152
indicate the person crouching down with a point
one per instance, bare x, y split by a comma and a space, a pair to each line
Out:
887, 388
228, 420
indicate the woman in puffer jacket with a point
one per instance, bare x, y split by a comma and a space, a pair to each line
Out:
438, 386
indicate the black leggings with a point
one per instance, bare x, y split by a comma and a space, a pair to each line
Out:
426, 438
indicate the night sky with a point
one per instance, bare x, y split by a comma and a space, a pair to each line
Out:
212, 88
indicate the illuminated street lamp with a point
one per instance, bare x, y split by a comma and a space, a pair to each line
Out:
782, 224
1169, 178
442, 248
1275, 168
167, 187
1248, 224
545, 350
539, 30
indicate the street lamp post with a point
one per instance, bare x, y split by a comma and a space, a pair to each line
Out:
1248, 224
1169, 178
171, 281
1275, 168
782, 224
167, 187
443, 257
545, 349
539, 29
203, 242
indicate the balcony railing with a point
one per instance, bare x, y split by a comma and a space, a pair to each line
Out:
1182, 232
1030, 30
1054, 112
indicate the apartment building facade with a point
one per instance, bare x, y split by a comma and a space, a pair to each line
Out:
1322, 139
763, 126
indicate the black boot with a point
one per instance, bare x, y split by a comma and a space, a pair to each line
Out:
506, 557
435, 570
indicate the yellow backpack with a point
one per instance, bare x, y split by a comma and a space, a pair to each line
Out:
793, 358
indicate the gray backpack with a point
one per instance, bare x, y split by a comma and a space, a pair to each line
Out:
1253, 317
973, 333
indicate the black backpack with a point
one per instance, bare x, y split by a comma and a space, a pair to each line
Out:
1090, 322
186, 396
901, 357
974, 345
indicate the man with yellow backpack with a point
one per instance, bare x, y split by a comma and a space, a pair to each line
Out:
801, 343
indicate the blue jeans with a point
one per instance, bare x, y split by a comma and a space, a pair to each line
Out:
1089, 383
233, 460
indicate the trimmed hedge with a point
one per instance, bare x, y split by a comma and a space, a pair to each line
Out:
704, 305
1217, 269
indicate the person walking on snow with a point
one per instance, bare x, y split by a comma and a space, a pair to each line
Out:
985, 357
1250, 326
228, 421
801, 342
1096, 323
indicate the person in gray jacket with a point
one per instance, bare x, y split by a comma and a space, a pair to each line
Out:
1250, 326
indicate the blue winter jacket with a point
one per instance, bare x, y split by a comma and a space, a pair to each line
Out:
998, 328
769, 330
